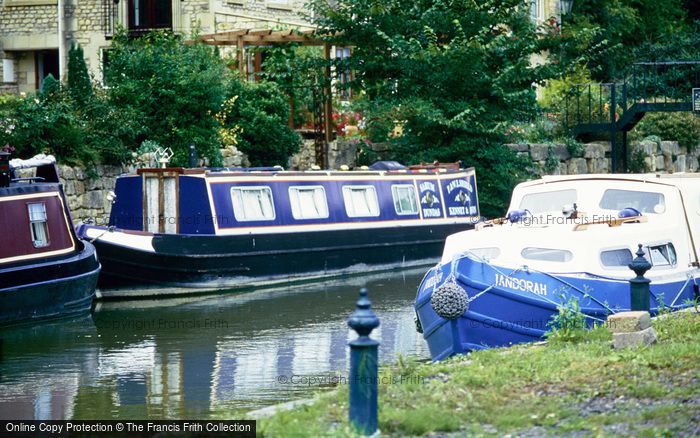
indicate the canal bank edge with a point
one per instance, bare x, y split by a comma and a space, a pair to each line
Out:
529, 390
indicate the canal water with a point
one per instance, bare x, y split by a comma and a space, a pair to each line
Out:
199, 357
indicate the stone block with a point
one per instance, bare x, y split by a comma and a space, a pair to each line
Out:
633, 339
680, 164
650, 164
626, 322
670, 147
649, 147
660, 162
561, 151
577, 166
594, 150
562, 169
538, 152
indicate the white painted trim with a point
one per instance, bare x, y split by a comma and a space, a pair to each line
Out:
136, 241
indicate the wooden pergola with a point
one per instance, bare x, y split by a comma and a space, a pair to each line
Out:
243, 38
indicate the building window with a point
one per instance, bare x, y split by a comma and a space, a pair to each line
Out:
38, 225
404, 199
308, 202
537, 11
150, 14
252, 204
360, 201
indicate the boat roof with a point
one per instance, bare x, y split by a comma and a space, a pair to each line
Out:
267, 172
658, 178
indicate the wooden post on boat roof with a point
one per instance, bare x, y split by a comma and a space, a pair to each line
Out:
327, 106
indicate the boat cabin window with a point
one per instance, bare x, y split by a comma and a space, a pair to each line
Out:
548, 201
645, 202
662, 255
404, 199
360, 201
38, 225
486, 253
547, 254
616, 258
308, 202
252, 204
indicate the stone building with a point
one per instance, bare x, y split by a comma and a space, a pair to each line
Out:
35, 35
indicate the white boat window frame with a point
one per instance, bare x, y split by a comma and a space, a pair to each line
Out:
236, 213
560, 250
395, 197
297, 212
614, 267
671, 264
36, 221
346, 196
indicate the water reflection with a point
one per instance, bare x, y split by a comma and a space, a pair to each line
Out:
196, 357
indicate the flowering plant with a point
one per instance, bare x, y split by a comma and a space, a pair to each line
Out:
8, 148
348, 123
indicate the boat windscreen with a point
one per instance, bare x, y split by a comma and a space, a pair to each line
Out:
548, 201
645, 202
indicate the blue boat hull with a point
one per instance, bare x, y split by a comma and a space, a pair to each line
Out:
50, 289
508, 307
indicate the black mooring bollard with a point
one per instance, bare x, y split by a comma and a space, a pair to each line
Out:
363, 368
640, 294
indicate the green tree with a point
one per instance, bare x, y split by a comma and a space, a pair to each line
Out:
261, 111
172, 89
453, 73
79, 82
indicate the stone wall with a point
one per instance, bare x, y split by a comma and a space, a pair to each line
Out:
340, 152
86, 193
18, 18
558, 159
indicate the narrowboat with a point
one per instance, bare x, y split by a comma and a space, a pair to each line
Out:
232, 228
46, 271
566, 240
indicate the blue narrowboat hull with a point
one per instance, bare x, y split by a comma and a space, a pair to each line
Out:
213, 262
49, 289
507, 306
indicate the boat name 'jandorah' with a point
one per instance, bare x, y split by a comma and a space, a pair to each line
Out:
521, 284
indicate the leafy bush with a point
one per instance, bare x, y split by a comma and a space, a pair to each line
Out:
568, 324
172, 91
683, 127
261, 113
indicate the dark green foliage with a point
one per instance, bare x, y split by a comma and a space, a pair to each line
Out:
50, 85
682, 127
262, 112
79, 82
172, 90
453, 73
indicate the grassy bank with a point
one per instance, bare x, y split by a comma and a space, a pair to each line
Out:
559, 388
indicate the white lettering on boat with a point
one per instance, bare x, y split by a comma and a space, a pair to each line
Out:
521, 284
459, 183
431, 212
427, 185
